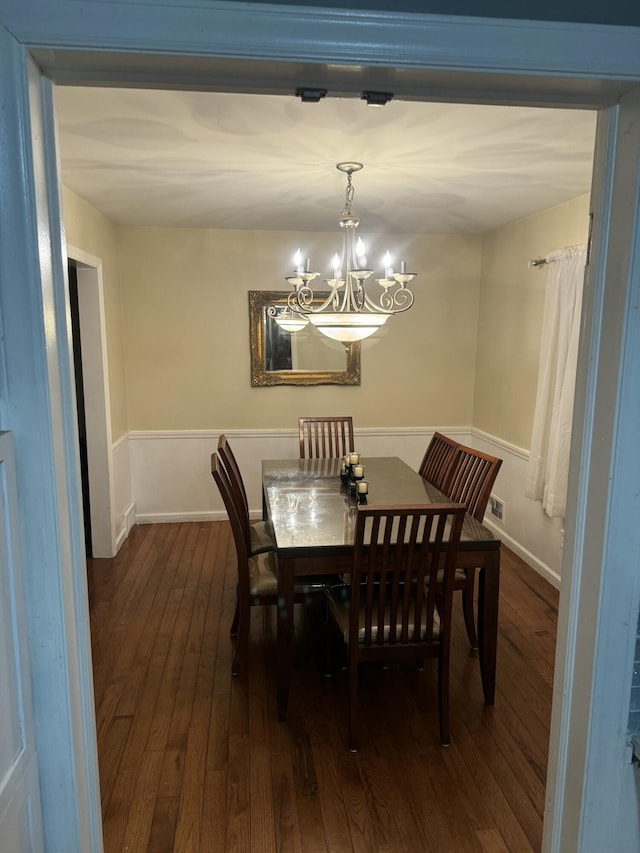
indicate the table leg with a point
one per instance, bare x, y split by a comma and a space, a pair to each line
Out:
285, 633
488, 593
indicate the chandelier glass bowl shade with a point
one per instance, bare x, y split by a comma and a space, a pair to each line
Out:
348, 312
287, 319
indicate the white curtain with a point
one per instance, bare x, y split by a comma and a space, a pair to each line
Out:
551, 433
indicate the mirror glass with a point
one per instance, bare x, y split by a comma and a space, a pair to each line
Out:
304, 357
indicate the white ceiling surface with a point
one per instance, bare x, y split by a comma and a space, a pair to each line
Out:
220, 160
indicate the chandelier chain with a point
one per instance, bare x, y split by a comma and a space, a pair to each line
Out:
346, 211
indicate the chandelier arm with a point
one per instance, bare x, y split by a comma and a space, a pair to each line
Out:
403, 298
376, 307
341, 300
301, 300
390, 303
356, 295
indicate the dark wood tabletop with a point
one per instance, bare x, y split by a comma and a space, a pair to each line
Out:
310, 509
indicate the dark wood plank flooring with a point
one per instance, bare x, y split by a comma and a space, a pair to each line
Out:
192, 759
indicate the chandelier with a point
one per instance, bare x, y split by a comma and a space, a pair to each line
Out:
349, 313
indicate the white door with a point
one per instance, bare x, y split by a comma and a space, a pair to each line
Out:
20, 824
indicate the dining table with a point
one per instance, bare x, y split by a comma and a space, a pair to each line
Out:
312, 515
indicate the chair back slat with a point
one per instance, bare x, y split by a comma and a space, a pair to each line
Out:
471, 480
325, 437
236, 484
230, 462
240, 535
395, 582
438, 459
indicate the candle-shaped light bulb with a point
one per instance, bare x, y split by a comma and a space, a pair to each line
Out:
308, 265
403, 267
362, 258
297, 261
336, 263
388, 269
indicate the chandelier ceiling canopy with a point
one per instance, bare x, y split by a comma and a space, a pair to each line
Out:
348, 312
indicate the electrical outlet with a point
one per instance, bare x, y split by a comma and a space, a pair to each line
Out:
496, 508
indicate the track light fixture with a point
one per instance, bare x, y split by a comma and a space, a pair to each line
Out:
310, 96
377, 99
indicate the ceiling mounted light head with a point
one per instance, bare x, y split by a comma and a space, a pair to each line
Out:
349, 313
310, 96
376, 99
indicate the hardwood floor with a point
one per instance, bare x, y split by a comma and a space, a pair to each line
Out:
192, 759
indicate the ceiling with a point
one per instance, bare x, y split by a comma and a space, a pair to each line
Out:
246, 161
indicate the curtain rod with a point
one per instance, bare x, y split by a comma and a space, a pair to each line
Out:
554, 256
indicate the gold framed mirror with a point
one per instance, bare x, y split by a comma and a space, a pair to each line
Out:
303, 357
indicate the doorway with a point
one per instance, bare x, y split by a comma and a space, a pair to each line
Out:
603, 59
79, 384
93, 403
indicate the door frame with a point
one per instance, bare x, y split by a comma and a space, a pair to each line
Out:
93, 340
444, 58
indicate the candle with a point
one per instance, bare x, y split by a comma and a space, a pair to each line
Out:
358, 471
388, 269
308, 266
363, 487
403, 267
354, 458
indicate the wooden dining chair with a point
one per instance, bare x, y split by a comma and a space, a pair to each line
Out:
257, 574
398, 604
260, 536
470, 482
325, 438
438, 459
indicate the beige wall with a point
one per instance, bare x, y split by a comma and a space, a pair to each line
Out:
186, 330
88, 229
177, 326
510, 316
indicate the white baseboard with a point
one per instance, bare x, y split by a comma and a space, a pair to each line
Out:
129, 517
177, 517
524, 554
122, 536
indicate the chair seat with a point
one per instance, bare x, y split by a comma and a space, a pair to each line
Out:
263, 574
339, 599
260, 538
263, 578
460, 578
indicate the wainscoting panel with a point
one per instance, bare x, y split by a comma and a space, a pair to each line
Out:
170, 480
525, 528
124, 516
171, 471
